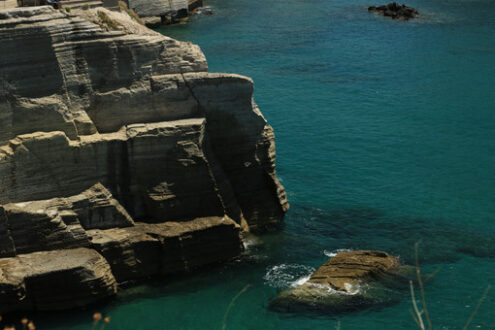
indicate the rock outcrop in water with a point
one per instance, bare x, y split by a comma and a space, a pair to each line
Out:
162, 12
395, 11
348, 281
121, 158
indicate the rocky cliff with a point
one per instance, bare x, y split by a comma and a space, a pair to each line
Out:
121, 158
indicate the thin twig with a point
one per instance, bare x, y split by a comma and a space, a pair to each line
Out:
224, 323
473, 314
414, 317
430, 276
421, 288
416, 310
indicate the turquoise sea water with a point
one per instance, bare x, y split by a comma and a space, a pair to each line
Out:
385, 136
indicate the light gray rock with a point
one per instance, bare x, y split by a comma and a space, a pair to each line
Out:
157, 171
54, 79
235, 120
158, 7
153, 21
58, 223
120, 141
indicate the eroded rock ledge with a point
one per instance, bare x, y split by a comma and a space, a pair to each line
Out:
349, 281
121, 158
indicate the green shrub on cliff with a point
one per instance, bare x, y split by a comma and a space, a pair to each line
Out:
111, 24
132, 14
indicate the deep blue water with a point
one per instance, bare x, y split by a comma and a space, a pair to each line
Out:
385, 136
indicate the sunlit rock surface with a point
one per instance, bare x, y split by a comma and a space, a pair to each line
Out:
121, 145
350, 280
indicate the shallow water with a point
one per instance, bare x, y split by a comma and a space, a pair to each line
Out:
385, 137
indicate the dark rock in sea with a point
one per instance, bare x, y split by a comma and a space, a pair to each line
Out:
351, 280
395, 11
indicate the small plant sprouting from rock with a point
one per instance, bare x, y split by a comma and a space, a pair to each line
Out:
132, 14
67, 9
107, 21
85, 6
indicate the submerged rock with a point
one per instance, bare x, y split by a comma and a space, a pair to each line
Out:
395, 11
348, 281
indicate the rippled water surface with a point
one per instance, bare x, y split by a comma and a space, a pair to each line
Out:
385, 137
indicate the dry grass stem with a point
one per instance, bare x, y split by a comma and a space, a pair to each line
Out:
430, 276
130, 12
224, 323
96, 319
419, 318
421, 288
475, 311
414, 317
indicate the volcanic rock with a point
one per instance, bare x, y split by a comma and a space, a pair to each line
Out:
395, 11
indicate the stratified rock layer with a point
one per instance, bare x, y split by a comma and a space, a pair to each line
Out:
121, 147
54, 280
348, 269
167, 248
348, 281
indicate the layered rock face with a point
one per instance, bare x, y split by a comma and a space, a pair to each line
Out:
52, 280
124, 148
158, 7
